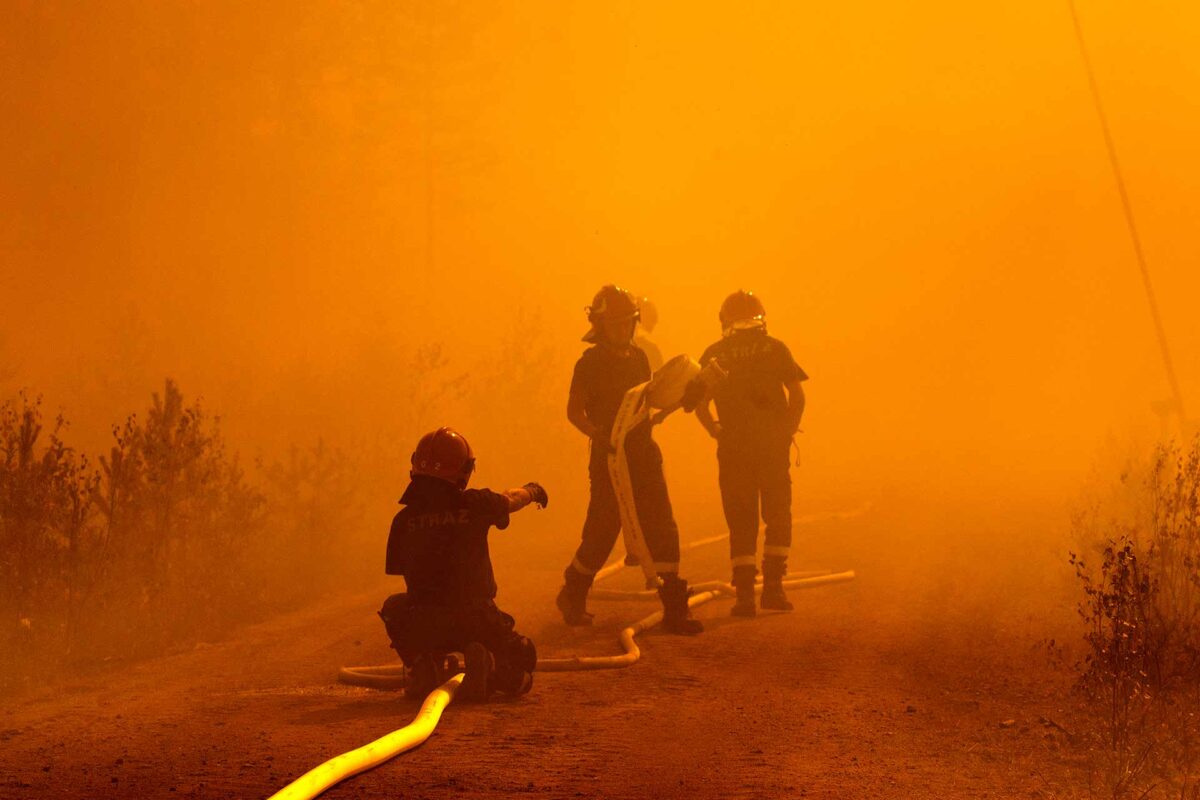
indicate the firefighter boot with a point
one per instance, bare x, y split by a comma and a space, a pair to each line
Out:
773, 598
515, 663
572, 598
422, 677
676, 617
743, 583
480, 669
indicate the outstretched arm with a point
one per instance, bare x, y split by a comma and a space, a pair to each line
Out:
529, 493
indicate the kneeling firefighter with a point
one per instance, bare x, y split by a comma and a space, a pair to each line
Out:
759, 403
439, 543
603, 376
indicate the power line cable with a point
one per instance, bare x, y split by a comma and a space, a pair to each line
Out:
1129, 219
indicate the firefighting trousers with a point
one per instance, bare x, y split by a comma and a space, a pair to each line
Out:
416, 629
603, 521
753, 472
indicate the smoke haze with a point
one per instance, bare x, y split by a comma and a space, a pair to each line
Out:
360, 221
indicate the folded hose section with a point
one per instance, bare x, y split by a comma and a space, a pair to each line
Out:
338, 768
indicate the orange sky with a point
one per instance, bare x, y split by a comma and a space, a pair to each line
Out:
276, 203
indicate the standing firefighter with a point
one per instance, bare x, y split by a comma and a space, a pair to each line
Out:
439, 543
604, 373
759, 405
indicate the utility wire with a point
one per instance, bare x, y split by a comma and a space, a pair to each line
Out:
1129, 220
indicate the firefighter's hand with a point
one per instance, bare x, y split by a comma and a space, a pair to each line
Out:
537, 494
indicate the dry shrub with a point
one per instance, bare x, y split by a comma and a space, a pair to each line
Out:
1140, 676
166, 542
175, 511
45, 500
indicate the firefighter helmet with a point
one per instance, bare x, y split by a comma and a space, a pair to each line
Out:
611, 303
742, 310
647, 314
444, 454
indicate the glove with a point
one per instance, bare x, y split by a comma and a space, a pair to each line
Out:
537, 494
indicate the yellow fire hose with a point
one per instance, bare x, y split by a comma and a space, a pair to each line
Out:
338, 768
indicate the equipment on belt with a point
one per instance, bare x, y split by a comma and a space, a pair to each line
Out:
444, 454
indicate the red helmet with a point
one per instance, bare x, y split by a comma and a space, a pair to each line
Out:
742, 310
444, 454
610, 303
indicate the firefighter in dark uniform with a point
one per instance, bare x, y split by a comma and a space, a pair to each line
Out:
439, 543
605, 371
759, 406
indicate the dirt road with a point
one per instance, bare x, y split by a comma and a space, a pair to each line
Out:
870, 689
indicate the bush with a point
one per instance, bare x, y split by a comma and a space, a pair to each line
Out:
45, 515
166, 541
1140, 676
176, 512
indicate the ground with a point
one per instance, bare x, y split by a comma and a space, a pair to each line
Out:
869, 689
